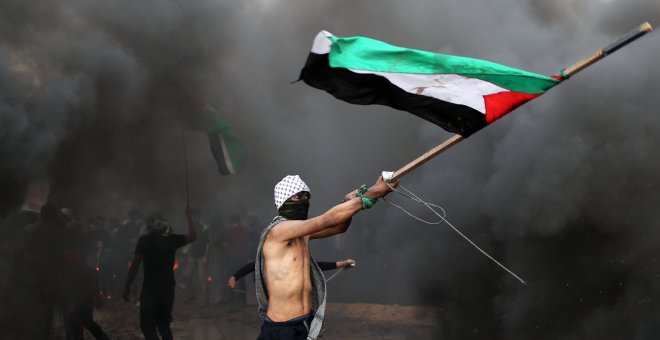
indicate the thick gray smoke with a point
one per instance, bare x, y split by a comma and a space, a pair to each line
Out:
563, 190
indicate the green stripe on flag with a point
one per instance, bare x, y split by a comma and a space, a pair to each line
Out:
367, 54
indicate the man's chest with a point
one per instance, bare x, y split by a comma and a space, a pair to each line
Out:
291, 255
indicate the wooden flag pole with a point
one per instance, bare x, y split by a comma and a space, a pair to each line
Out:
567, 72
611, 48
185, 164
427, 156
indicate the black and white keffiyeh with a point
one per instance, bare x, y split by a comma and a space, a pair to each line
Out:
287, 187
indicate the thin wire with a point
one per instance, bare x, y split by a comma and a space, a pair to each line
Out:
335, 274
416, 199
442, 216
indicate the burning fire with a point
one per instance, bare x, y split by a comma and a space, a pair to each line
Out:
176, 265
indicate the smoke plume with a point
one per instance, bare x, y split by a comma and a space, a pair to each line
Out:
564, 191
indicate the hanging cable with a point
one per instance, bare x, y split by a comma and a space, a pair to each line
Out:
442, 216
335, 274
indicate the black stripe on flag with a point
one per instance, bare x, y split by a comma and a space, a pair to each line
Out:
219, 153
365, 89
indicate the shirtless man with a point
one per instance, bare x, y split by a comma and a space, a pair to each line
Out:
290, 285
249, 268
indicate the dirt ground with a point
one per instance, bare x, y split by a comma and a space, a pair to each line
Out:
344, 321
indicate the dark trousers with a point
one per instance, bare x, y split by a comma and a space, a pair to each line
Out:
79, 317
294, 329
42, 317
156, 312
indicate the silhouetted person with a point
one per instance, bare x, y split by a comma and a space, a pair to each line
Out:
236, 242
42, 261
157, 249
67, 217
127, 235
109, 261
82, 295
217, 258
197, 263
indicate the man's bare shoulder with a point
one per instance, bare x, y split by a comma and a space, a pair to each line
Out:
276, 245
281, 231
292, 229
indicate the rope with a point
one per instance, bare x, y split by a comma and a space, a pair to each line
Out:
443, 219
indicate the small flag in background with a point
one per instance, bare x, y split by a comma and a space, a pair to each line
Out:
36, 195
461, 95
225, 146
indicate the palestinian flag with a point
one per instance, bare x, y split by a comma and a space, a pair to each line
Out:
461, 95
225, 146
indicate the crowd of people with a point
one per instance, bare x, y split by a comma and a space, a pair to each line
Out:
71, 267
75, 266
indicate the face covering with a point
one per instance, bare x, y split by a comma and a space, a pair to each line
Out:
295, 210
158, 225
287, 187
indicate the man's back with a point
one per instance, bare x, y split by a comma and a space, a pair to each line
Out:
158, 253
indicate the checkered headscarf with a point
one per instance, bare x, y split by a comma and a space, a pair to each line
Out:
287, 187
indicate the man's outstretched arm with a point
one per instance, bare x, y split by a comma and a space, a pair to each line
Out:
246, 269
334, 265
335, 220
332, 231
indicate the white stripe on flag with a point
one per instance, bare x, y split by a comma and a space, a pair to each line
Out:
226, 156
322, 43
451, 88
